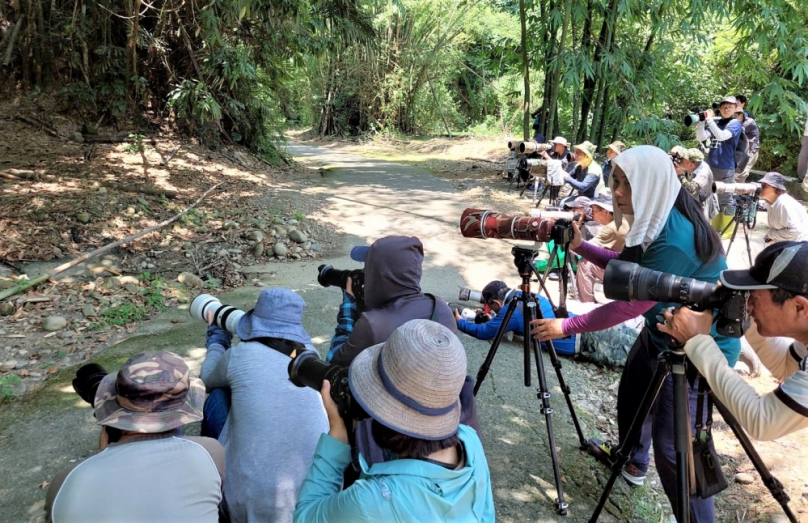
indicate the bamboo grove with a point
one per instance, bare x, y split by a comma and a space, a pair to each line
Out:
242, 70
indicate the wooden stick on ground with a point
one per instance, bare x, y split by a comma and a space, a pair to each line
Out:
106, 248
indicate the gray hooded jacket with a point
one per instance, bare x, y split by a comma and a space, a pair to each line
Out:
392, 296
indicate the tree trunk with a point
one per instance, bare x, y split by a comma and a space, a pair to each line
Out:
526, 70
602, 48
557, 69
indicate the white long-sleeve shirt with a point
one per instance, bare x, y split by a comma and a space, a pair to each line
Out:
719, 134
774, 414
788, 220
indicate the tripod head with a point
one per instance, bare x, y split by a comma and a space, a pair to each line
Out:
523, 259
746, 208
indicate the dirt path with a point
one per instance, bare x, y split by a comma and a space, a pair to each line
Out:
365, 199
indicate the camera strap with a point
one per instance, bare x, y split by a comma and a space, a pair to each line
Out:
708, 425
270, 343
434, 316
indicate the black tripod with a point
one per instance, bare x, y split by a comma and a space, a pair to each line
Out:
674, 361
746, 216
566, 277
523, 259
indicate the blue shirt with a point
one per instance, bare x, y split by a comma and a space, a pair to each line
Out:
723, 156
487, 330
674, 251
397, 491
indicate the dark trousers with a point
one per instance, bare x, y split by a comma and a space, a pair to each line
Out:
658, 426
215, 411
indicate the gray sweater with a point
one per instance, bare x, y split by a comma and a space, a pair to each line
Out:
271, 432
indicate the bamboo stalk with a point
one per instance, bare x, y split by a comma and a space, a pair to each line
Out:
106, 248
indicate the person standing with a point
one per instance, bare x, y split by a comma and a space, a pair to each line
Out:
752, 133
723, 132
613, 150
802, 162
610, 237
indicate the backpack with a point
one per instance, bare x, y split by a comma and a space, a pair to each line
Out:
741, 152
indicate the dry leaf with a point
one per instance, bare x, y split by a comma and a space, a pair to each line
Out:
52, 370
23, 373
44, 484
176, 321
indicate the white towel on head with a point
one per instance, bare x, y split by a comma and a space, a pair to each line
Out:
654, 188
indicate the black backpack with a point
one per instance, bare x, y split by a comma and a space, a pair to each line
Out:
741, 152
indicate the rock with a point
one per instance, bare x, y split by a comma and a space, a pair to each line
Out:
8, 365
131, 287
112, 283
744, 478
21, 365
83, 217
298, 236
54, 323
222, 253
307, 245
190, 280
102, 190
277, 220
316, 247
292, 222
258, 249
256, 236
88, 311
229, 225
280, 250
778, 518
77, 137
130, 211
6, 309
296, 256
297, 250
188, 246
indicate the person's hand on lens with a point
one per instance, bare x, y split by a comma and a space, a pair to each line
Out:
547, 329
710, 113
457, 315
336, 424
349, 288
685, 323
210, 317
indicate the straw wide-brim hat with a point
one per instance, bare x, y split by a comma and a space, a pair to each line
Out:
411, 383
153, 392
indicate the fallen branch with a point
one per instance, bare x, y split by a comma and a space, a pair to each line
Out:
110, 138
171, 156
61, 268
36, 123
481, 160
145, 190
8, 176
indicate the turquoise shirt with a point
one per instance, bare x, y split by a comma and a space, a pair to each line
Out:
401, 490
674, 251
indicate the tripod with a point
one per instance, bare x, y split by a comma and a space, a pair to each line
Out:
746, 216
523, 259
674, 361
567, 278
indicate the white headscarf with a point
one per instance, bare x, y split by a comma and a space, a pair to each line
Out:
654, 188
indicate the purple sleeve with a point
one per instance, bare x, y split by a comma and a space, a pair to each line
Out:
604, 317
597, 255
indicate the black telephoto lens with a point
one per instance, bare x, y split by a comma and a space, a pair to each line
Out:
627, 281
328, 276
87, 379
308, 370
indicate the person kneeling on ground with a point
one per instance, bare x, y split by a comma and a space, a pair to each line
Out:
787, 218
409, 386
271, 426
151, 473
496, 295
610, 237
778, 304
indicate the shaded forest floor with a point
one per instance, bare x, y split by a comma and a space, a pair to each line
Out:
62, 196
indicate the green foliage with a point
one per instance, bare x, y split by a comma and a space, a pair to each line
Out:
7, 384
135, 147
124, 313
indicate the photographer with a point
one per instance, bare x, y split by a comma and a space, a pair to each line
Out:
272, 426
612, 151
587, 178
610, 237
787, 218
752, 133
392, 297
151, 473
409, 386
802, 161
700, 184
725, 132
496, 294
778, 305
670, 234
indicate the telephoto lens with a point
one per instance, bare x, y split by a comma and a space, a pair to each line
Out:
741, 189
308, 370
479, 223
224, 316
626, 281
470, 295
87, 379
555, 215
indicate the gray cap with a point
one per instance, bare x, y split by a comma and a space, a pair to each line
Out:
729, 100
580, 201
776, 180
604, 201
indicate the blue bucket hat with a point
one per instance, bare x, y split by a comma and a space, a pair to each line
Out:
278, 313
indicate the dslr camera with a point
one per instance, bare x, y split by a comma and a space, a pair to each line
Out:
627, 281
328, 276
700, 116
308, 370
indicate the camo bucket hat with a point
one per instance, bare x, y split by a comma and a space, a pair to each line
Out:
153, 392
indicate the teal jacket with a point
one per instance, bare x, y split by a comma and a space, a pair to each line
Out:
402, 490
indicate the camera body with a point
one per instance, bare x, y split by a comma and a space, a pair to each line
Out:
627, 281
477, 316
308, 370
328, 276
224, 316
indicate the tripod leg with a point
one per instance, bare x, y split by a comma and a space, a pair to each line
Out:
543, 194
748, 247
773, 484
734, 232
530, 313
622, 454
489, 359
556, 362
681, 430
